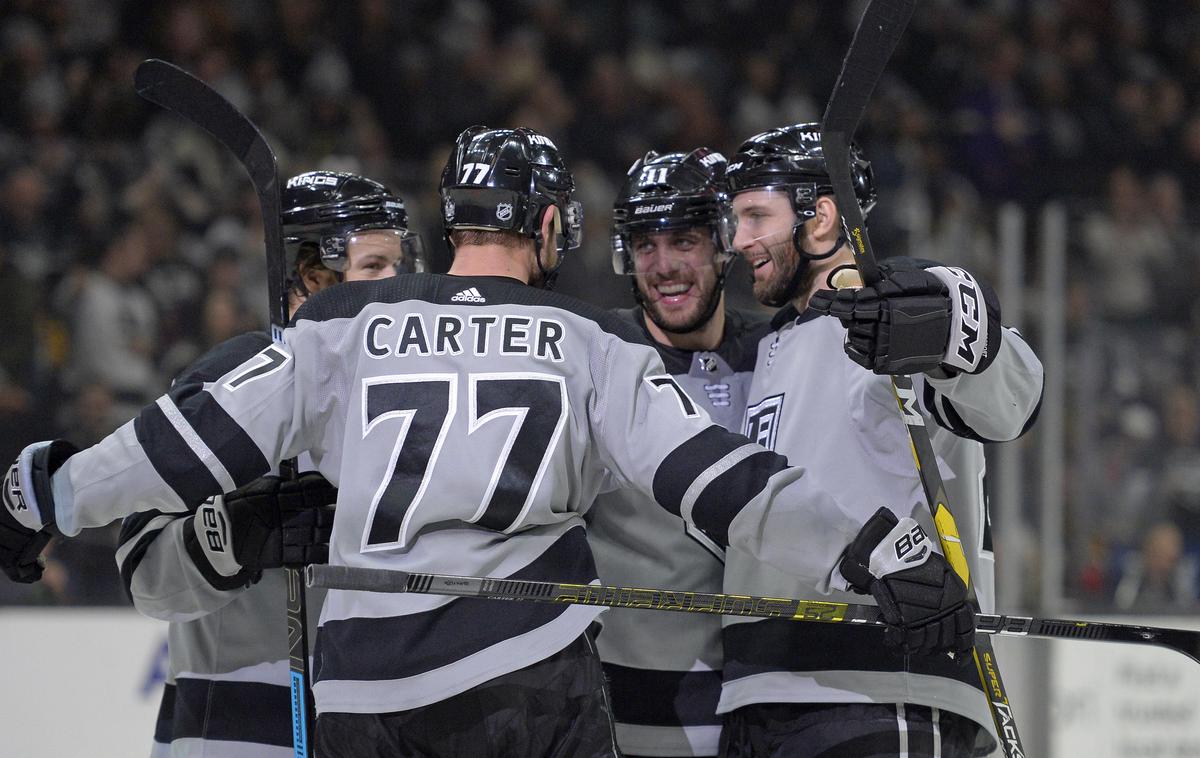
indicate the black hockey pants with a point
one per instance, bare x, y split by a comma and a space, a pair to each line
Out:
556, 708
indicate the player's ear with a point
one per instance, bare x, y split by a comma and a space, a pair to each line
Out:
316, 278
551, 226
827, 222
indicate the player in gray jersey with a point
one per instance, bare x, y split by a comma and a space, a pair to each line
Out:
812, 689
228, 687
672, 237
468, 421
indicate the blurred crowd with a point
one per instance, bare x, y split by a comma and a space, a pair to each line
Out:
130, 243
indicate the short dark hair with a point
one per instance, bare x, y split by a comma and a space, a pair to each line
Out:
460, 237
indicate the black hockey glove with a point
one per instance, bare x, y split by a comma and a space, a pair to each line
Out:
917, 320
269, 523
921, 598
29, 508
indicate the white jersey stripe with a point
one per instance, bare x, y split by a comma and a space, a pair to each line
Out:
189, 435
697, 487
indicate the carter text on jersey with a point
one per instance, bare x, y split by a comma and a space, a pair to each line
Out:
483, 334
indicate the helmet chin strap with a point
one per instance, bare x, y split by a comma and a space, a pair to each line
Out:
549, 276
802, 266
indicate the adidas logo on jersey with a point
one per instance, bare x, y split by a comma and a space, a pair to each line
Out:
469, 295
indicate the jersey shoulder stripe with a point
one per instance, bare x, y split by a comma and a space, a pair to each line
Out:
664, 698
397, 647
348, 299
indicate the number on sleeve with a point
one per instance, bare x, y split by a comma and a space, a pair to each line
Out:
667, 381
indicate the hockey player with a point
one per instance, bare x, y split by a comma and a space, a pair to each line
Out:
672, 237
468, 420
813, 689
223, 591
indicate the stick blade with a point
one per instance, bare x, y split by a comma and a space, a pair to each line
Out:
172, 88
878, 34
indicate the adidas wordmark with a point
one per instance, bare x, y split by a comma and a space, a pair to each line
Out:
469, 295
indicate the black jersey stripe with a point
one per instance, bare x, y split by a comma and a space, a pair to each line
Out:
777, 645
219, 361
236, 451
252, 712
166, 712
688, 461
134, 528
728, 493
372, 649
664, 698
172, 458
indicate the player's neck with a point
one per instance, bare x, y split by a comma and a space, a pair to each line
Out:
707, 337
492, 260
820, 273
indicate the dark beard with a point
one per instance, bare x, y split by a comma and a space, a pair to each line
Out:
703, 313
783, 289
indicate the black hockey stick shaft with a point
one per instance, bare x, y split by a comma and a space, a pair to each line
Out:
176, 90
875, 40
1182, 641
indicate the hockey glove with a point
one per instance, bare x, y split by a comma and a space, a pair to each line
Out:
921, 598
29, 508
269, 523
917, 320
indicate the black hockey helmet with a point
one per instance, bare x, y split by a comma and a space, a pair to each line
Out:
791, 157
673, 191
329, 207
504, 180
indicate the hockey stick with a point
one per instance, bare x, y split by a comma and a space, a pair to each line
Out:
1182, 641
174, 89
874, 41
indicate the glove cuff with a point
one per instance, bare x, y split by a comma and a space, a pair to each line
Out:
855, 563
209, 544
27, 485
974, 321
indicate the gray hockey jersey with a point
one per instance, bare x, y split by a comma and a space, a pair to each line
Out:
811, 403
227, 693
466, 434
664, 669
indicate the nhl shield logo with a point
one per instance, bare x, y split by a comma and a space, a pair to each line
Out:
503, 211
448, 209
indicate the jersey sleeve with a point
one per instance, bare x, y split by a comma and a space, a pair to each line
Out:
996, 405
655, 438
200, 439
159, 572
